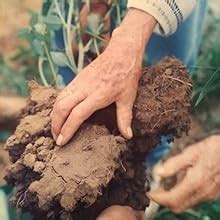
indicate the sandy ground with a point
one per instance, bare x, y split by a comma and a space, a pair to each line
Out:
13, 16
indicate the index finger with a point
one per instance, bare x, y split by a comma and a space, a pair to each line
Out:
77, 116
63, 107
184, 195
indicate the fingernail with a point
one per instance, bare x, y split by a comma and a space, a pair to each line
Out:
129, 132
59, 140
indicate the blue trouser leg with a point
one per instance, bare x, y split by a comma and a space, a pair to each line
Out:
184, 44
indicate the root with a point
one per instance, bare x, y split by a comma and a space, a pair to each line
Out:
179, 80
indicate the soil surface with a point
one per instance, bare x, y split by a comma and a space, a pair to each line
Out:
10, 110
98, 168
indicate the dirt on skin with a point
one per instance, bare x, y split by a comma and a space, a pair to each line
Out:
98, 167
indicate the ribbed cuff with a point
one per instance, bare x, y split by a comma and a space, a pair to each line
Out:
168, 13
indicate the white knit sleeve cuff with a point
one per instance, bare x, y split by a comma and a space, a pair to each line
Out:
168, 13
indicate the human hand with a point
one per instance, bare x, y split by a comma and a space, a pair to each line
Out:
112, 77
201, 182
121, 213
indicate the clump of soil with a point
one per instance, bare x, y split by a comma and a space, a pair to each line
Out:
98, 167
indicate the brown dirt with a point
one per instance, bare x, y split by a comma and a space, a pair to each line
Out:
98, 168
10, 110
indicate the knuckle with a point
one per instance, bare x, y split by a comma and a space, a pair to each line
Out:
176, 204
54, 128
199, 185
210, 193
171, 205
177, 209
208, 196
102, 97
61, 110
78, 114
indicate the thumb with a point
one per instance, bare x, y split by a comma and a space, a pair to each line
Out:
124, 117
177, 163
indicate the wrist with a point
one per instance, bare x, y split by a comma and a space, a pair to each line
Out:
136, 29
137, 24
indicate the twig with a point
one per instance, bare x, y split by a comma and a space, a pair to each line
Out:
94, 35
69, 36
179, 80
122, 165
87, 46
59, 13
41, 73
96, 47
51, 63
118, 14
81, 56
171, 110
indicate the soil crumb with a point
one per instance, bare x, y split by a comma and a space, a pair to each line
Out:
97, 168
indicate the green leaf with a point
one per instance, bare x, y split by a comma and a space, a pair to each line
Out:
26, 34
46, 6
204, 90
59, 58
52, 19
53, 22
37, 47
34, 19
93, 22
60, 82
40, 28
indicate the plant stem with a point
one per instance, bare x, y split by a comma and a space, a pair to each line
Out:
81, 56
118, 14
51, 63
41, 73
96, 47
59, 13
67, 32
69, 36
94, 35
87, 46
192, 213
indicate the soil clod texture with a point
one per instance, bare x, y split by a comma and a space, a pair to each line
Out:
97, 168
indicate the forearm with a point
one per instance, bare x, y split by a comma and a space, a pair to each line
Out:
137, 27
168, 13
139, 22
